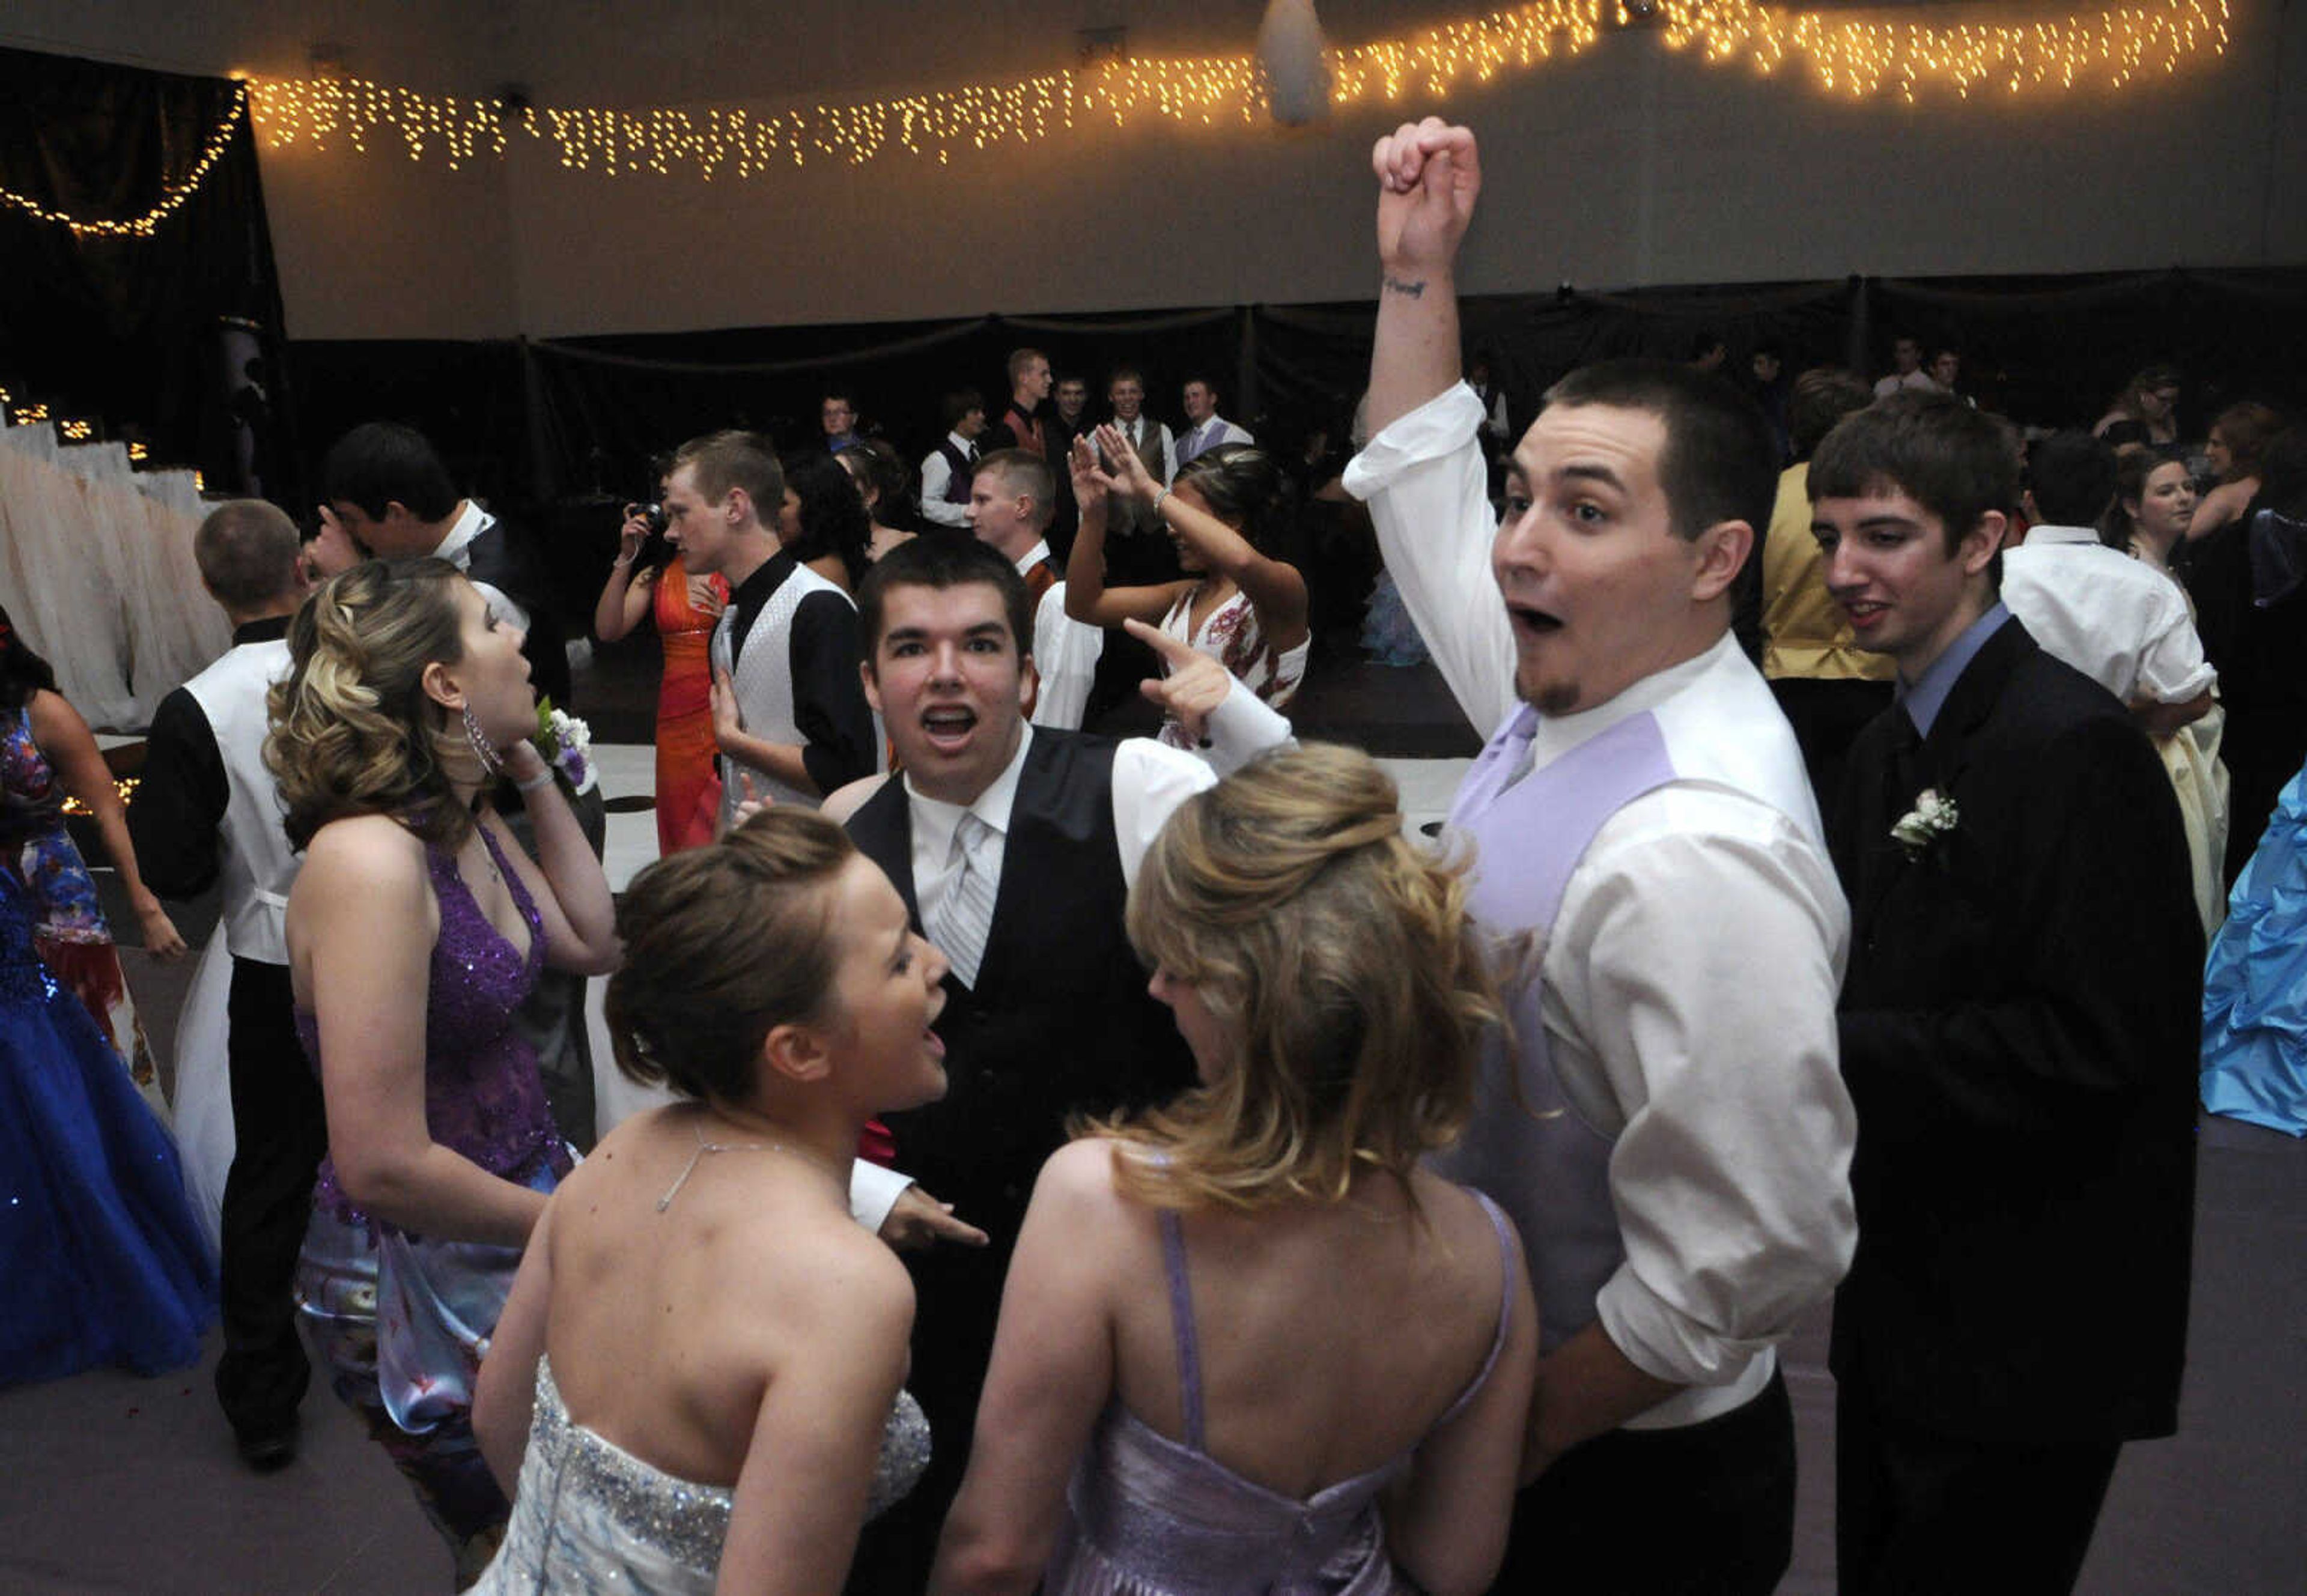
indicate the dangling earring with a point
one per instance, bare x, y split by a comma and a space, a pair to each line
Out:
483, 750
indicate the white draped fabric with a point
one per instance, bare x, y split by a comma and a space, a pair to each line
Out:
97, 570
203, 1106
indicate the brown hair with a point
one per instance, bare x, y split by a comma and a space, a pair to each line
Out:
1025, 473
1339, 959
246, 549
2248, 428
720, 461
723, 945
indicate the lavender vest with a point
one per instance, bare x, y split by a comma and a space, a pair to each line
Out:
1529, 1150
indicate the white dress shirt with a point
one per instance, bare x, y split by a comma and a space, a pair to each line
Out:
1211, 433
456, 548
937, 475
1066, 652
2117, 619
1149, 782
1691, 974
1917, 379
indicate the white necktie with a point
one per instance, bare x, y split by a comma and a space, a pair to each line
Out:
967, 917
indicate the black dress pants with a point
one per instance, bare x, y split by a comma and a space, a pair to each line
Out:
280, 1131
1705, 1510
1917, 1512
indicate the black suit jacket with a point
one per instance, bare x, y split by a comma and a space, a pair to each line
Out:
2018, 1033
503, 558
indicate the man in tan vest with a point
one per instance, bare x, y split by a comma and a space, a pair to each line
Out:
1138, 547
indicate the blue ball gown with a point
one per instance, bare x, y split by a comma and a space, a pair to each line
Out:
103, 1259
2255, 983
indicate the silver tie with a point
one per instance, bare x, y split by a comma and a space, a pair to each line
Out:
967, 917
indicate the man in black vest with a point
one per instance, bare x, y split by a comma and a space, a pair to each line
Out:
391, 493
945, 469
2019, 1033
1013, 848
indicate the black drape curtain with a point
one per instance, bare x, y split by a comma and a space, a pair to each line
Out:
131, 331
565, 430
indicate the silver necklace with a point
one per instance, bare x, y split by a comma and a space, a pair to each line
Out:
703, 1147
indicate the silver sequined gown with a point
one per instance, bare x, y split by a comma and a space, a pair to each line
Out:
591, 1517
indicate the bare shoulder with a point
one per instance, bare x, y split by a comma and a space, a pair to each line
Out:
1463, 1224
845, 802
365, 860
51, 714
1079, 1178
841, 1278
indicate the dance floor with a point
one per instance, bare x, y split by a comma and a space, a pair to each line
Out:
117, 1484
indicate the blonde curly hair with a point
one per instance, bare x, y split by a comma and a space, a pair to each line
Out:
353, 731
1337, 957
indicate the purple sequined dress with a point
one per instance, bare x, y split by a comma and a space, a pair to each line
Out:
1150, 1516
402, 1320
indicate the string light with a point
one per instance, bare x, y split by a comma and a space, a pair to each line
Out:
1846, 56
173, 195
1860, 58
125, 786
77, 432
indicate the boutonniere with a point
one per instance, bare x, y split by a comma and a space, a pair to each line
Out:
564, 741
1919, 830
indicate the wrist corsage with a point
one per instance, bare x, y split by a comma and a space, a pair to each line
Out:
1919, 830
565, 742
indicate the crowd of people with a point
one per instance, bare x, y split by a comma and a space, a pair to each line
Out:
1142, 1165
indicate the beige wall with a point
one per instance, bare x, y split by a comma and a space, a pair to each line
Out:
1632, 164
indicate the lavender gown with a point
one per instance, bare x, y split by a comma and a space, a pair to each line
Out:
403, 1320
1148, 1516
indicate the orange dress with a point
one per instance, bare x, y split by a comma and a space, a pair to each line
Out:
687, 786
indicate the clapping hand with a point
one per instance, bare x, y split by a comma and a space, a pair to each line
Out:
1196, 684
1129, 477
1429, 175
1090, 484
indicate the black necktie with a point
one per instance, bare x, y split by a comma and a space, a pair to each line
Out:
1905, 767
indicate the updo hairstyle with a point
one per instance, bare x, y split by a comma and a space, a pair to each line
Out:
353, 731
833, 518
875, 465
1337, 959
723, 945
1245, 489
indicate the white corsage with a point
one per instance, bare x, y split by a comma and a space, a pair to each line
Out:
564, 741
1921, 827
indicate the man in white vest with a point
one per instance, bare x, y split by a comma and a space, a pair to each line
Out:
789, 710
1672, 1134
207, 810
